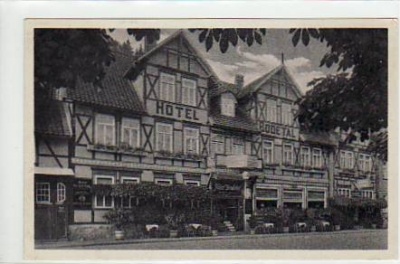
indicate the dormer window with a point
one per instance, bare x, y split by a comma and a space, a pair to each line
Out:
227, 107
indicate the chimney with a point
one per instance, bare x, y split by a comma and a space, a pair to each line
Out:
149, 44
239, 81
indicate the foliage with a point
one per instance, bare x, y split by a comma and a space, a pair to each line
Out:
252, 221
174, 219
229, 36
119, 217
355, 99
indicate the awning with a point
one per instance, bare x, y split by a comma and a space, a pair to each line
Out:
54, 171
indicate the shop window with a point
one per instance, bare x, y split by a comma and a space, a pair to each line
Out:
191, 137
188, 92
268, 152
164, 182
61, 192
316, 204
218, 144
317, 158
261, 204
227, 107
346, 159
305, 156
105, 130
42, 192
167, 88
288, 154
103, 201
192, 182
164, 137
130, 132
237, 146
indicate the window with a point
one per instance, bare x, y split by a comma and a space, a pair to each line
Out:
364, 162
105, 130
61, 192
268, 152
345, 192
191, 182
43, 192
167, 88
288, 154
287, 115
346, 159
131, 132
218, 144
317, 158
191, 140
270, 110
128, 201
305, 156
165, 182
237, 146
367, 194
164, 137
227, 107
188, 92
104, 201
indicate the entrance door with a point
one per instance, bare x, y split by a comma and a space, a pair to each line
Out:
51, 214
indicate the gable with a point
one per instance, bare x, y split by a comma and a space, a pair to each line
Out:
280, 85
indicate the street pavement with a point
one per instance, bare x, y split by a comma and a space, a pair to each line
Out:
344, 240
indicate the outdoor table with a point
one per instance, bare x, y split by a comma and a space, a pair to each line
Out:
301, 225
195, 226
149, 227
325, 223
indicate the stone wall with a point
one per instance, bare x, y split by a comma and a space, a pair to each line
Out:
90, 232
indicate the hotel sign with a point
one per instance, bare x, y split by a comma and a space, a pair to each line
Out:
279, 130
176, 111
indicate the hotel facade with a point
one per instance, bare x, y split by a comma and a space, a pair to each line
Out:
164, 117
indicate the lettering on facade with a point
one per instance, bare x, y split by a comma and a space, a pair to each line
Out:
227, 187
180, 112
276, 130
82, 194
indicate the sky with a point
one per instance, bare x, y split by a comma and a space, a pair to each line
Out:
257, 60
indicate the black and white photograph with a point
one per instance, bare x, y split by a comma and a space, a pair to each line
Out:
210, 138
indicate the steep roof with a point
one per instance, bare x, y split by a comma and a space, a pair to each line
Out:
178, 34
51, 119
255, 85
218, 87
114, 91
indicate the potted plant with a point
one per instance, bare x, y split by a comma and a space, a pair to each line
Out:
214, 223
336, 219
285, 219
119, 218
252, 224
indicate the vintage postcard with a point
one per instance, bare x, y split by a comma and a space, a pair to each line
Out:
211, 139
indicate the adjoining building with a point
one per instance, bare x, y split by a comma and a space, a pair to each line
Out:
164, 117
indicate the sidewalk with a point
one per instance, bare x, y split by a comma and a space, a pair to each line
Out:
235, 235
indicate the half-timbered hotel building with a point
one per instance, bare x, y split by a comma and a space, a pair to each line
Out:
165, 117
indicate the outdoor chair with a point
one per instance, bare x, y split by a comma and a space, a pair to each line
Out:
190, 231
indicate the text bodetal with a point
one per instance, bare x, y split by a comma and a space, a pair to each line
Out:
277, 130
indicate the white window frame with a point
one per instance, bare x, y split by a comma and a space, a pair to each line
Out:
370, 194
364, 162
44, 192
189, 92
346, 159
104, 125
285, 156
305, 156
186, 136
191, 182
317, 158
61, 192
161, 181
287, 114
218, 144
270, 158
227, 107
170, 134
131, 125
103, 205
128, 178
170, 85
238, 146
271, 110
344, 192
